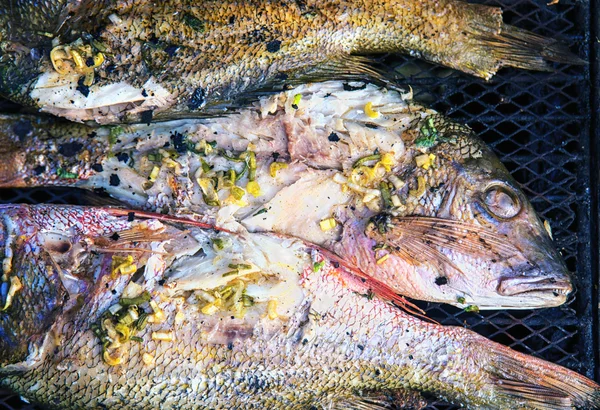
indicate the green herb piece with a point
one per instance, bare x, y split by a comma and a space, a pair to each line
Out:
62, 173
361, 161
461, 300
114, 134
144, 297
262, 211
317, 266
136, 339
385, 194
472, 308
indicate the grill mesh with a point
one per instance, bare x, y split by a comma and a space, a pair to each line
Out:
539, 126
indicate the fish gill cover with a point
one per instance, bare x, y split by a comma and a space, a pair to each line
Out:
540, 125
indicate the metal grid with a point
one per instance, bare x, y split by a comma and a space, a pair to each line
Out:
540, 125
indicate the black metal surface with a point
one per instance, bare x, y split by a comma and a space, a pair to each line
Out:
544, 127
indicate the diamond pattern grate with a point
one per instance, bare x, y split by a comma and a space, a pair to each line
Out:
539, 125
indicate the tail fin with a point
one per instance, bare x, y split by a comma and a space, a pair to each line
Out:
538, 384
515, 47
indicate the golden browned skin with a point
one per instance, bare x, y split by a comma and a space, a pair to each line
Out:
177, 57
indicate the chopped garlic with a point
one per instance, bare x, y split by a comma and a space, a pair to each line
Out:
383, 259
339, 178
179, 317
211, 308
159, 315
370, 112
15, 286
396, 201
148, 359
425, 161
163, 335
272, 309
327, 224
397, 182
276, 166
109, 360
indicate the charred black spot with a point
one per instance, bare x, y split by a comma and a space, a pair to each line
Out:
179, 142
146, 116
70, 149
171, 50
377, 372
82, 88
89, 62
197, 99
22, 128
333, 137
130, 216
39, 169
114, 180
92, 134
123, 157
349, 87
98, 167
371, 125
115, 236
273, 46
441, 280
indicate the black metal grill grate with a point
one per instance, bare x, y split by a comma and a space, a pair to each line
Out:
540, 125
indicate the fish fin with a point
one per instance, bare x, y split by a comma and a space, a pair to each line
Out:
539, 384
515, 47
96, 198
418, 239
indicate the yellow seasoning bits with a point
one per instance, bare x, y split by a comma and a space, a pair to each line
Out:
110, 360
425, 161
370, 112
276, 166
123, 265
154, 174
328, 224
15, 286
418, 193
388, 161
163, 335
383, 259
159, 315
253, 188
148, 359
272, 309
296, 101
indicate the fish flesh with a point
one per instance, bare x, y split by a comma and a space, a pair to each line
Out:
128, 61
404, 194
111, 308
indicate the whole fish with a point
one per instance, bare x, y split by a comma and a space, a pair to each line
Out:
115, 60
404, 194
110, 308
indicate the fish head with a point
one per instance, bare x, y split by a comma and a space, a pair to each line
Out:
471, 235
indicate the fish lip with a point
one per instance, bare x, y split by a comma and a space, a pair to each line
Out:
522, 285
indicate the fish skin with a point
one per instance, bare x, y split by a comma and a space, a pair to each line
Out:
178, 58
505, 262
353, 343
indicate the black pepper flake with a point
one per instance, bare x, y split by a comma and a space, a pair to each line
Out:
130, 216
371, 125
179, 142
275, 155
333, 137
361, 347
304, 341
197, 99
114, 292
146, 117
410, 357
282, 76
115, 236
161, 282
98, 167
89, 62
92, 134
231, 19
336, 264
114, 180
39, 169
22, 128
144, 93
441, 280
110, 68
273, 46
230, 346
70, 149
123, 157
82, 88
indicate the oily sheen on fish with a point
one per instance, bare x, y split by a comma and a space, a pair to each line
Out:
140, 311
406, 195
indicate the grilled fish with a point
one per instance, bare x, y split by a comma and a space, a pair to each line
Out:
116, 61
407, 196
109, 308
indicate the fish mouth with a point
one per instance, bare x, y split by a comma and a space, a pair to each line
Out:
525, 285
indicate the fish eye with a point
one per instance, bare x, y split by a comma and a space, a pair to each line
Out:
501, 201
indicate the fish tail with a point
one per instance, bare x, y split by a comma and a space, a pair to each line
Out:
537, 384
515, 47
